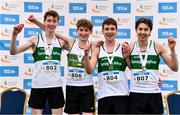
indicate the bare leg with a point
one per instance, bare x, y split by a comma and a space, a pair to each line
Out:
36, 111
58, 111
89, 113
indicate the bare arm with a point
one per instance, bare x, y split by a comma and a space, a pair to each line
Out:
38, 23
90, 64
171, 60
13, 47
68, 41
126, 53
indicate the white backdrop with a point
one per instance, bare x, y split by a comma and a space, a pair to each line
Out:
17, 70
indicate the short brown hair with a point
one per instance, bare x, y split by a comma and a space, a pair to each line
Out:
109, 21
51, 13
84, 23
146, 21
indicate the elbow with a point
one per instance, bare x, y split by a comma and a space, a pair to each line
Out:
88, 72
12, 53
175, 69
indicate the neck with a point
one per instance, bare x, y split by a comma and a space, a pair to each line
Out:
110, 45
82, 43
49, 35
143, 44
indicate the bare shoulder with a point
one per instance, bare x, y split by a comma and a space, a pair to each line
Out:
93, 43
131, 45
33, 40
159, 47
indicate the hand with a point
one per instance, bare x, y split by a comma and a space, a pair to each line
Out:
86, 49
126, 49
99, 43
160, 82
17, 28
171, 42
31, 18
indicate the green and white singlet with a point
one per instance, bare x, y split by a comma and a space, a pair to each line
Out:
111, 68
47, 63
145, 80
77, 75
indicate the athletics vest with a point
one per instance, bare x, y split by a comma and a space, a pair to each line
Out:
47, 64
111, 67
77, 75
145, 81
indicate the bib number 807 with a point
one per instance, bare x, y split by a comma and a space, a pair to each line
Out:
142, 78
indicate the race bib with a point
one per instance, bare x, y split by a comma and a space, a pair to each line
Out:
50, 66
76, 74
141, 77
111, 77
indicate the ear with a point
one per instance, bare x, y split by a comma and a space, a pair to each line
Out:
91, 31
102, 32
150, 33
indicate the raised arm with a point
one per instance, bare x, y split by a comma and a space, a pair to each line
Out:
38, 23
126, 53
68, 41
13, 47
171, 60
90, 64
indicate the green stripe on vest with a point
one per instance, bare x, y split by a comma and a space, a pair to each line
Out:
40, 54
118, 63
73, 61
152, 62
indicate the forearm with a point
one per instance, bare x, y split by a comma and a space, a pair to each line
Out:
174, 60
88, 66
64, 38
38, 23
13, 47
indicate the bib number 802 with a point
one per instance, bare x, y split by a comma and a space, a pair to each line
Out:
51, 68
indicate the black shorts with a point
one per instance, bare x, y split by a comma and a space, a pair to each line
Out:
54, 96
113, 105
79, 99
145, 103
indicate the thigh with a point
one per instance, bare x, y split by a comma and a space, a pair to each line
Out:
72, 105
137, 103
55, 97
37, 98
155, 104
120, 104
88, 99
104, 106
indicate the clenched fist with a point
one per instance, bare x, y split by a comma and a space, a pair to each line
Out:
17, 28
171, 42
31, 18
86, 49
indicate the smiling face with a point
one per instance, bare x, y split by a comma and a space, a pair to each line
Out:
109, 32
109, 29
51, 20
143, 28
84, 33
51, 23
143, 32
84, 29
